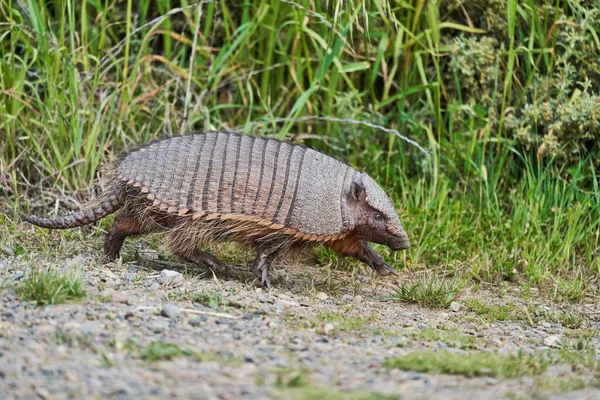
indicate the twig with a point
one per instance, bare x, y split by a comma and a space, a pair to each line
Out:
212, 314
345, 121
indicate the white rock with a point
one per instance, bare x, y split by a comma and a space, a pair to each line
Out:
552, 341
322, 296
455, 306
170, 311
75, 262
170, 277
328, 328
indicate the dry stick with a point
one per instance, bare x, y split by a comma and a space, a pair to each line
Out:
346, 121
212, 314
191, 311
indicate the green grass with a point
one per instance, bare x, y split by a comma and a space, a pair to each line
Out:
496, 94
493, 312
428, 291
450, 338
312, 392
210, 298
489, 364
342, 322
48, 286
158, 350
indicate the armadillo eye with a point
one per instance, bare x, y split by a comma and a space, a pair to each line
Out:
379, 217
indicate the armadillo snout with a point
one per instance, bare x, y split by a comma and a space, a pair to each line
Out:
399, 243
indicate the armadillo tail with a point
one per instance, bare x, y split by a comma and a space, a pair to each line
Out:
108, 205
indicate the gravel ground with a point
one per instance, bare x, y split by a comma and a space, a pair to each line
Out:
317, 334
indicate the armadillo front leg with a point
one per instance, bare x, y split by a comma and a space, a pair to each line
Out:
359, 249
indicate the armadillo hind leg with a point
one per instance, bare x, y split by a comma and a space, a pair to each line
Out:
359, 249
124, 225
202, 258
264, 257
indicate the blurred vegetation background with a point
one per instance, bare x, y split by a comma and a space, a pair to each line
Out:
481, 118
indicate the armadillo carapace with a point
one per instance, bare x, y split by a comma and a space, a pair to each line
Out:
214, 186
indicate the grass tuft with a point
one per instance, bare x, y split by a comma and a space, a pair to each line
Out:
160, 350
470, 364
48, 286
428, 291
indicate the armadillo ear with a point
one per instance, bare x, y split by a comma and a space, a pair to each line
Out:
358, 191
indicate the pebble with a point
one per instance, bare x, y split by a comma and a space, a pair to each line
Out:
328, 328
153, 287
170, 311
3, 264
347, 297
17, 276
120, 297
455, 306
77, 261
322, 296
196, 322
552, 341
169, 277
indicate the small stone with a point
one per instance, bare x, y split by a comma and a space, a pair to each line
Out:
3, 264
322, 296
328, 328
129, 277
170, 311
283, 305
552, 341
323, 339
347, 297
120, 297
77, 261
168, 277
258, 290
261, 298
196, 322
46, 329
455, 306
358, 298
401, 341
17, 276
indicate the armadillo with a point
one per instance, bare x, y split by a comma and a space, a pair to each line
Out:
206, 187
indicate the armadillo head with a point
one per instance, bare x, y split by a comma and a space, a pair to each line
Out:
375, 218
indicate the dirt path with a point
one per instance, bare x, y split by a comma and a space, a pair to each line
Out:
318, 334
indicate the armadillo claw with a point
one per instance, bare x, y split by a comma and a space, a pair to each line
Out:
261, 271
262, 282
385, 269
